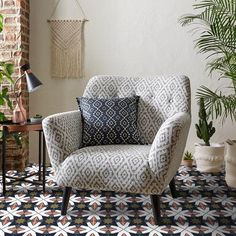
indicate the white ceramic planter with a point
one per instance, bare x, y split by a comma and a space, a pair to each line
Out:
209, 158
230, 165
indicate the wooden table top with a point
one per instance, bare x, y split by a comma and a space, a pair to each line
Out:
29, 126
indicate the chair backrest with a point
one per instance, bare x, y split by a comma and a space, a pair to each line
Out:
160, 97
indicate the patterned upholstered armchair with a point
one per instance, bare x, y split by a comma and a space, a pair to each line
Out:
163, 122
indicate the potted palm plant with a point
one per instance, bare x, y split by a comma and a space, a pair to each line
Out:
215, 22
209, 156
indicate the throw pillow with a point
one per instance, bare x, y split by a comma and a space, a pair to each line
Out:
109, 121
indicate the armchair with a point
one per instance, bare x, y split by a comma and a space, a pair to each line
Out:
163, 122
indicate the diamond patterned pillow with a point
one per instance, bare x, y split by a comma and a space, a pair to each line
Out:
109, 121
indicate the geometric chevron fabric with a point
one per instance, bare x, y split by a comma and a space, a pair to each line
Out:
109, 121
163, 123
124, 167
160, 97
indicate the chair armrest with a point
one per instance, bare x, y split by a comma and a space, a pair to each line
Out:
63, 135
168, 146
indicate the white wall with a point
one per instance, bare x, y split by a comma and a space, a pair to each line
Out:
135, 37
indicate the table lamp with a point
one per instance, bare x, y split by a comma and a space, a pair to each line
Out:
33, 83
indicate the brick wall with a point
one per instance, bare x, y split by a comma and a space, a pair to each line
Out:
14, 46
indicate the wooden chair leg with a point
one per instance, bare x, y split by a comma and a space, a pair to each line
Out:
65, 200
173, 188
156, 208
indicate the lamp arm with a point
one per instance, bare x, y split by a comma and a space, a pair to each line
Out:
16, 97
14, 87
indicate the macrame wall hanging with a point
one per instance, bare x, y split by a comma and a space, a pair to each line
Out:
67, 46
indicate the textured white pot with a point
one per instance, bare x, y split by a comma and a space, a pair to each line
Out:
209, 158
230, 165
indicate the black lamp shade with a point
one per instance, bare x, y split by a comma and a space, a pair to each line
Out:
33, 82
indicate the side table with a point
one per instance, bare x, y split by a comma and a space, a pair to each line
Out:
9, 127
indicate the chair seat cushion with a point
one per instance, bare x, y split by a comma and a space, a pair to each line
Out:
120, 168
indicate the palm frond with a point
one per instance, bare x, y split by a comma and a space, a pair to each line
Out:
217, 104
225, 66
217, 32
226, 6
217, 35
212, 9
205, 18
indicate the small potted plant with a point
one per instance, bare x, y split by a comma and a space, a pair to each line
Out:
188, 159
36, 118
209, 156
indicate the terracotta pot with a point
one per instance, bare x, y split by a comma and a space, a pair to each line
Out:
19, 113
209, 158
230, 165
187, 163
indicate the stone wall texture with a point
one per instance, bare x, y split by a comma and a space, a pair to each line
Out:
14, 47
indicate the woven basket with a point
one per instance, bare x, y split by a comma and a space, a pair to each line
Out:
209, 158
230, 165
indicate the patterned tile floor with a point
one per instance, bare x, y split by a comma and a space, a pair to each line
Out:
205, 206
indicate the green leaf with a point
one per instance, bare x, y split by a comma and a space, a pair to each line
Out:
2, 101
18, 138
1, 23
8, 71
2, 116
1, 77
4, 98
9, 102
9, 68
4, 92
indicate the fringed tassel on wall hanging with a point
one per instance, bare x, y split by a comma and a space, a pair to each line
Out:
66, 47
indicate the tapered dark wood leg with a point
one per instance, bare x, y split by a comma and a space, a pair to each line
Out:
44, 163
173, 188
156, 208
65, 200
